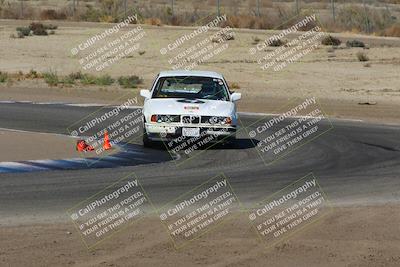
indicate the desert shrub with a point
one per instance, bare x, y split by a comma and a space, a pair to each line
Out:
153, 21
285, 13
292, 20
51, 14
228, 36
91, 14
355, 43
221, 37
393, 31
353, 17
362, 57
104, 80
217, 39
33, 74
109, 7
256, 40
233, 22
3, 77
36, 25
12, 10
48, 14
38, 28
76, 75
250, 22
40, 31
20, 35
19, 74
24, 30
266, 23
277, 42
129, 81
51, 78
50, 27
8, 11
309, 26
176, 21
330, 40
107, 19
87, 79
141, 52
168, 11
67, 80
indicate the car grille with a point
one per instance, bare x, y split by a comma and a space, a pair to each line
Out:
206, 119
192, 119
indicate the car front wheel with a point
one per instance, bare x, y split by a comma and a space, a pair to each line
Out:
146, 141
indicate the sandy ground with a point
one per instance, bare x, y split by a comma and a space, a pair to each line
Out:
349, 236
19, 145
334, 76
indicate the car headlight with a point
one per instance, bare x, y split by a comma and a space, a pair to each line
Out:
164, 118
220, 120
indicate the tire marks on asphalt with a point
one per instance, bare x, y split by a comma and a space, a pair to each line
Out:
130, 155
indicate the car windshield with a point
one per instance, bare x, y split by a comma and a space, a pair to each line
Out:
191, 87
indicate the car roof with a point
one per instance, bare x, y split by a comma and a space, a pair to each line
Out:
172, 73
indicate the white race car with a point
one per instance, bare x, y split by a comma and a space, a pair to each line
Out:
189, 104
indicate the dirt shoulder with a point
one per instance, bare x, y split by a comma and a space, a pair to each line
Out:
20, 145
349, 236
333, 75
380, 112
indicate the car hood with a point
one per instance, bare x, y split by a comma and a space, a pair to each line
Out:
178, 106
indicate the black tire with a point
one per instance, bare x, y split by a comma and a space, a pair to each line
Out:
146, 141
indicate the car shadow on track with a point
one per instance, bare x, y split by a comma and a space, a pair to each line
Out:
243, 143
239, 143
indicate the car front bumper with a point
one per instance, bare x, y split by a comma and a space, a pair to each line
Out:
162, 131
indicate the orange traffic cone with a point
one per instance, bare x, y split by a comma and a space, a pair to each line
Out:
89, 148
106, 144
80, 145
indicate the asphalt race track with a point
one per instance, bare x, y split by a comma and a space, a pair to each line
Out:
128, 155
355, 162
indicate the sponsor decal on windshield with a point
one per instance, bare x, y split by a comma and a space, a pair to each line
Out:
191, 107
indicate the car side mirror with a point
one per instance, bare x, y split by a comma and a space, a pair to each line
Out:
145, 93
236, 96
